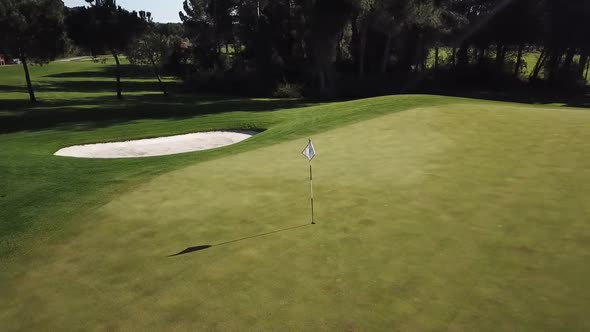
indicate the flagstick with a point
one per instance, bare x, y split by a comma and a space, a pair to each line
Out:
311, 191
309, 153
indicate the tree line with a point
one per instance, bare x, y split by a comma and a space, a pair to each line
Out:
326, 43
38, 31
321, 47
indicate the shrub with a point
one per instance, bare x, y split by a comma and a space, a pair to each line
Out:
288, 90
238, 83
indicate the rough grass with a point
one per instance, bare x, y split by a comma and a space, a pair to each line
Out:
455, 214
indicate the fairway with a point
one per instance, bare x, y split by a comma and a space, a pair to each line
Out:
463, 216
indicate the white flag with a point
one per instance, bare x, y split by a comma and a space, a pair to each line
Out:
309, 151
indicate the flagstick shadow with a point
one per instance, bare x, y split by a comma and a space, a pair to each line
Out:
203, 247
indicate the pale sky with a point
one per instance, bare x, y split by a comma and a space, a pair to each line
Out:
163, 11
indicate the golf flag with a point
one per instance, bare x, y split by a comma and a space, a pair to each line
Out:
309, 151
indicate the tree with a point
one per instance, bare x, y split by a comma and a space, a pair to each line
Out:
566, 35
426, 21
280, 39
104, 26
327, 20
217, 14
153, 48
365, 14
200, 25
32, 30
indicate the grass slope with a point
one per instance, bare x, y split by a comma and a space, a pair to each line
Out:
40, 192
455, 214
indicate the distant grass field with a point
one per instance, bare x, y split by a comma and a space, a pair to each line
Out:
530, 59
434, 213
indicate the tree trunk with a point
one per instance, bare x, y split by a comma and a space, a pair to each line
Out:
118, 74
436, 58
503, 56
157, 72
482, 56
554, 61
423, 51
327, 22
539, 65
339, 47
463, 56
216, 28
569, 58
28, 78
386, 53
500, 54
518, 60
355, 38
587, 69
321, 79
583, 60
290, 36
362, 48
454, 58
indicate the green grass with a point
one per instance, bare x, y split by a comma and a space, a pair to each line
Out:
433, 213
530, 59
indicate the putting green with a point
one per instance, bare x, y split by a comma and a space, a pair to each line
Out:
458, 217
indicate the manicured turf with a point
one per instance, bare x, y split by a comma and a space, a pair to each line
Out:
433, 213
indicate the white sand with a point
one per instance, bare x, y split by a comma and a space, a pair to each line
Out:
157, 146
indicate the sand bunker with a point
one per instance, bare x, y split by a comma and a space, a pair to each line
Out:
160, 146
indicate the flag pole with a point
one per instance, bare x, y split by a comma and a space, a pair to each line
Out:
311, 191
309, 153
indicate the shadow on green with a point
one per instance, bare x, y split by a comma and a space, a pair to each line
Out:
207, 246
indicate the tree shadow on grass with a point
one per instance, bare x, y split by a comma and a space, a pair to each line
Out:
88, 104
12, 88
207, 246
530, 97
103, 111
103, 86
109, 71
